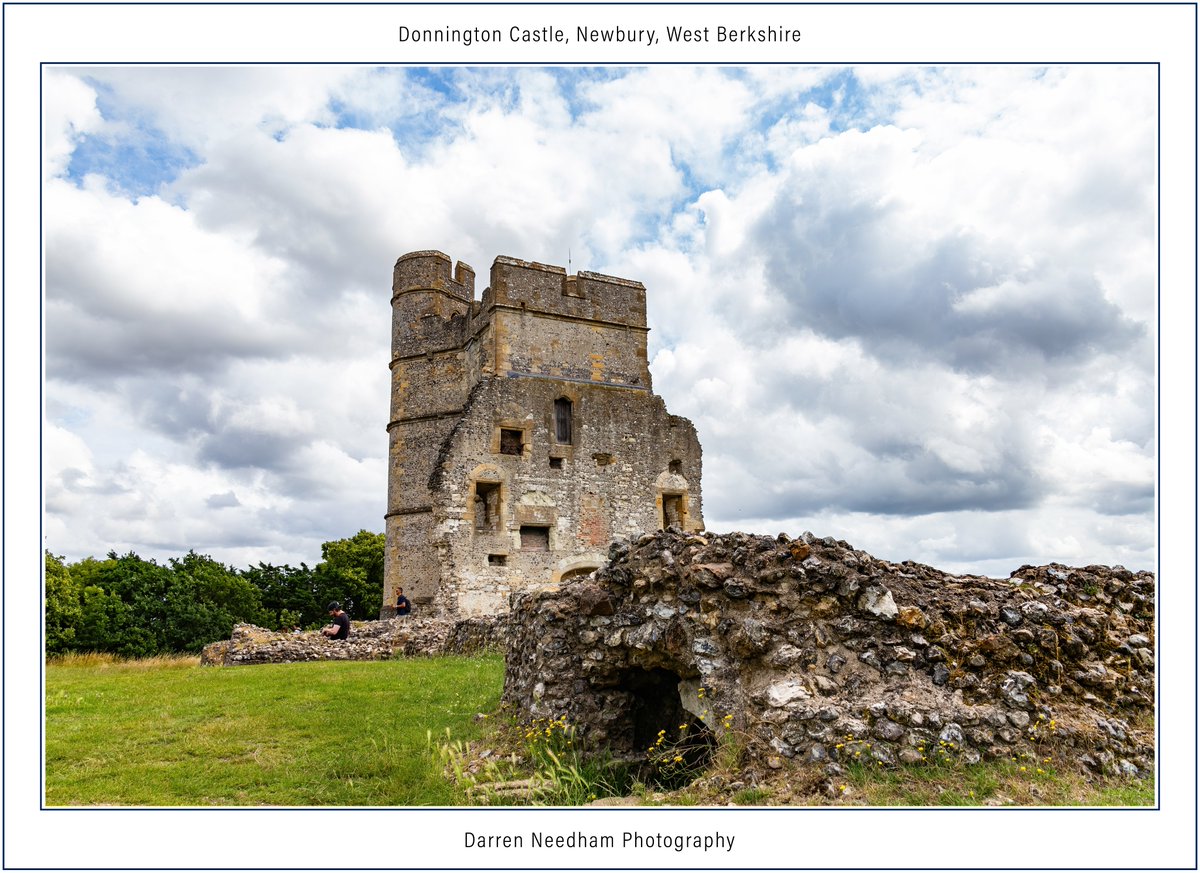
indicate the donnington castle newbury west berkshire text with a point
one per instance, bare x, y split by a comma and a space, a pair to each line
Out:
524, 433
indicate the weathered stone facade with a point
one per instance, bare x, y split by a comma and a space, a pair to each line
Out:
524, 432
818, 652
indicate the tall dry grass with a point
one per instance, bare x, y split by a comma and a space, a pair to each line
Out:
106, 660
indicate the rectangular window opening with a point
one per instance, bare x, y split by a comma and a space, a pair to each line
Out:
556, 463
535, 538
562, 421
512, 441
497, 560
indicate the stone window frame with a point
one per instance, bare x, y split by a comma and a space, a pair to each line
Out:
487, 474
556, 420
670, 485
523, 427
663, 497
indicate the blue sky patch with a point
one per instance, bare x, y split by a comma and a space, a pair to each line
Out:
135, 156
135, 167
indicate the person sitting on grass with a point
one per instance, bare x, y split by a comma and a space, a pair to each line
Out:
339, 626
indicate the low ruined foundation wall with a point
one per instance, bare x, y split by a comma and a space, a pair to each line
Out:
405, 636
815, 651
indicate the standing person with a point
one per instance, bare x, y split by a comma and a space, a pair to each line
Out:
403, 607
339, 626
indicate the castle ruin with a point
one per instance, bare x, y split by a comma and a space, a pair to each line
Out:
524, 433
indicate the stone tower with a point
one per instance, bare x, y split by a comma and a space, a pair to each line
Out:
524, 434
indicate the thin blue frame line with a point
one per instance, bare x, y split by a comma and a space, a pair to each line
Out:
630, 64
1197, 549
1195, 409
4, 442
41, 432
1158, 169
690, 867
830, 3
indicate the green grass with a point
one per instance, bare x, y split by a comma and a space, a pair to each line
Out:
166, 732
171, 733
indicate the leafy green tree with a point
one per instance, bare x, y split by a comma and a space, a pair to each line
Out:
351, 572
221, 587
107, 624
134, 607
87, 571
64, 606
287, 594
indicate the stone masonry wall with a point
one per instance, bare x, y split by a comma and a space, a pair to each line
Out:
406, 636
818, 652
466, 375
605, 484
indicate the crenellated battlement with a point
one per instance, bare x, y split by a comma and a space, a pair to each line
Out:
528, 285
549, 289
533, 319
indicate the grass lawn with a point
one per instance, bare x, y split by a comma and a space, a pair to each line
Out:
166, 732
171, 733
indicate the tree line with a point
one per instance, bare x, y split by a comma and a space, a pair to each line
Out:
133, 607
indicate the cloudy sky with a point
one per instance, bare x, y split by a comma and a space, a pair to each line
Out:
913, 308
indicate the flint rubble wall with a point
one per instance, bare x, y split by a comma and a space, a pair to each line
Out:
820, 652
369, 641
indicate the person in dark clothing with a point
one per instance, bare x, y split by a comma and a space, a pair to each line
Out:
339, 626
403, 607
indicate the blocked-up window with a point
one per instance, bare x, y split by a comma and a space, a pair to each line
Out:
512, 441
562, 420
487, 506
535, 538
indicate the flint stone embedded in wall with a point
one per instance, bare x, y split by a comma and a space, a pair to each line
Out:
369, 641
813, 648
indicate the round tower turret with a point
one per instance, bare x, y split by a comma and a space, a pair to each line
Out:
431, 312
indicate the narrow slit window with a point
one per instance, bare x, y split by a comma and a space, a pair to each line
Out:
562, 421
512, 441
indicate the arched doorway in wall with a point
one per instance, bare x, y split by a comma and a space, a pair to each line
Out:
578, 565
